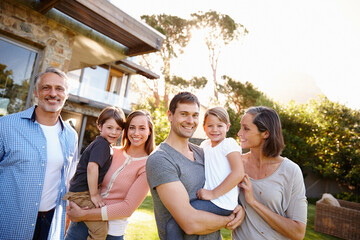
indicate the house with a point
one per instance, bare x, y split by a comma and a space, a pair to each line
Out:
92, 40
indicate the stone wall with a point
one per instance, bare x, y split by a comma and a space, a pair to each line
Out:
26, 25
81, 108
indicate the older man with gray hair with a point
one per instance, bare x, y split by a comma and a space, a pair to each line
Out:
38, 152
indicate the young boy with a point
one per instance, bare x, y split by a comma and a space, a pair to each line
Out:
92, 167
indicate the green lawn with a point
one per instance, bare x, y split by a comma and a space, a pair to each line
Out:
142, 224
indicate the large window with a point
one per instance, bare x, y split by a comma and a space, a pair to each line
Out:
102, 84
17, 64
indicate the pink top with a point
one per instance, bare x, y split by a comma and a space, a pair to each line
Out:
124, 186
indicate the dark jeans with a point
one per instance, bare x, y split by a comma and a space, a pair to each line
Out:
79, 231
173, 230
43, 224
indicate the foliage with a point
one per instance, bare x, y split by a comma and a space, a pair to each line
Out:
235, 123
240, 96
181, 84
348, 196
177, 35
322, 136
337, 141
297, 127
220, 30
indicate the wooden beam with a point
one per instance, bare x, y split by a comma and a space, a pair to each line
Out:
45, 5
107, 19
138, 69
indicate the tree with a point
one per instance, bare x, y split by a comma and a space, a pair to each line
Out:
177, 35
220, 30
240, 96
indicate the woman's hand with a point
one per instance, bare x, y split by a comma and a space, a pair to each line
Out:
75, 213
246, 185
205, 194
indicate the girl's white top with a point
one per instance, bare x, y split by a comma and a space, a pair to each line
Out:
217, 168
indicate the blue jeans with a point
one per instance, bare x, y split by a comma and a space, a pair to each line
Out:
43, 224
79, 231
173, 230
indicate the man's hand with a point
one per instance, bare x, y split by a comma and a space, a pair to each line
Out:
239, 217
205, 194
97, 200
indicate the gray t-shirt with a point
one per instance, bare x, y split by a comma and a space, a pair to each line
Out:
283, 192
168, 165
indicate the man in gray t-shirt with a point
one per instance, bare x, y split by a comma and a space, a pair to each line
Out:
175, 172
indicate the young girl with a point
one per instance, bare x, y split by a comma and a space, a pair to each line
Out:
92, 167
223, 170
125, 185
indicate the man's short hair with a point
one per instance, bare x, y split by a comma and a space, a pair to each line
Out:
51, 70
182, 97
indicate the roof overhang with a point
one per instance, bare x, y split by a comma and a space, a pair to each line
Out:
137, 68
87, 53
110, 21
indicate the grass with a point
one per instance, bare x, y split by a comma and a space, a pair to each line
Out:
143, 226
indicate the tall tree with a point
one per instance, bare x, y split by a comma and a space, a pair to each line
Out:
177, 35
220, 30
240, 96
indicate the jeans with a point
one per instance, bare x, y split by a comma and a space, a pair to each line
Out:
173, 230
43, 224
79, 231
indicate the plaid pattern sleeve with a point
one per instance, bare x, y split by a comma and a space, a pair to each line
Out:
23, 159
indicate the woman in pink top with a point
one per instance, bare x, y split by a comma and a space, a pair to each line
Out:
124, 186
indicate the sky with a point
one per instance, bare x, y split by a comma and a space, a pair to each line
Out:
294, 49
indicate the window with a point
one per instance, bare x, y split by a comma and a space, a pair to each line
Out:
114, 82
101, 83
17, 64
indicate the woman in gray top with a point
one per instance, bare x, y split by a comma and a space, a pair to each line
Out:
273, 191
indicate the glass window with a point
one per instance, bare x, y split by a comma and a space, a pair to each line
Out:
114, 83
91, 131
96, 78
16, 67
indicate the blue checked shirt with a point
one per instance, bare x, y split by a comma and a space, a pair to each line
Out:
23, 158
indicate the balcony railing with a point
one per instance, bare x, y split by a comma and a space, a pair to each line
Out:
87, 91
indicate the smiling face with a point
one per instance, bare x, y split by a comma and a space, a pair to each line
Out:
51, 92
110, 130
249, 134
215, 129
185, 119
138, 131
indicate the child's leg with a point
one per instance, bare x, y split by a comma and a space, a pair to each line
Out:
208, 206
97, 230
173, 230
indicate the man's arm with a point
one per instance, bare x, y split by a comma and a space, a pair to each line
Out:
175, 198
